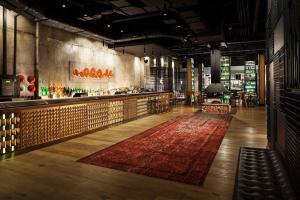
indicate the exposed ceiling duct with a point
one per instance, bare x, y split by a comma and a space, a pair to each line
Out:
173, 24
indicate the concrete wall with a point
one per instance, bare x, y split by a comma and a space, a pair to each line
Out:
25, 43
61, 51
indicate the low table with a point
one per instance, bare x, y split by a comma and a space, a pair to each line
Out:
215, 108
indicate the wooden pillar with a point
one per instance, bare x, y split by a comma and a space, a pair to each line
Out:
188, 91
261, 68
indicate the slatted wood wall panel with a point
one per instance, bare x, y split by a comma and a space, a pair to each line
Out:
284, 117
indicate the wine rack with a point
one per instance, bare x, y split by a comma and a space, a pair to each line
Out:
97, 115
44, 125
142, 106
115, 112
73, 120
160, 103
29, 136
26, 127
10, 131
250, 77
130, 108
225, 71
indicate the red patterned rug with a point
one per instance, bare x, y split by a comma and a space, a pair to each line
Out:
181, 149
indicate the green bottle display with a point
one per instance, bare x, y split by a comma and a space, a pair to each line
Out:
193, 81
225, 71
250, 77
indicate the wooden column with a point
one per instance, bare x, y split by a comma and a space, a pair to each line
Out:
261, 68
188, 92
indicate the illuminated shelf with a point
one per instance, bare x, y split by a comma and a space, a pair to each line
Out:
250, 77
225, 71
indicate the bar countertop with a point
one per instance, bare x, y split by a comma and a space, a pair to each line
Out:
43, 102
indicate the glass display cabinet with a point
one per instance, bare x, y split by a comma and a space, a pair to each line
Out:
250, 77
225, 71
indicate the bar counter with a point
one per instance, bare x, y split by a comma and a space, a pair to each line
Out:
26, 124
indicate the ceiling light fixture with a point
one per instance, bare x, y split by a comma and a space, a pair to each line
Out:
64, 5
122, 31
223, 44
165, 10
178, 26
108, 25
85, 15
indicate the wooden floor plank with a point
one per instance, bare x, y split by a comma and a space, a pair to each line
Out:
53, 173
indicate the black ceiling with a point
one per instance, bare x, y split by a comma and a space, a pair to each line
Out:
183, 26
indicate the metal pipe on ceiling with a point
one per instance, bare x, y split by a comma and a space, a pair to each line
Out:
137, 17
223, 52
37, 58
15, 45
256, 14
4, 40
246, 42
154, 36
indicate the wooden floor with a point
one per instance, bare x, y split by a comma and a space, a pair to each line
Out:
53, 173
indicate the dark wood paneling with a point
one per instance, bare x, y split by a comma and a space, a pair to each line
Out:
284, 90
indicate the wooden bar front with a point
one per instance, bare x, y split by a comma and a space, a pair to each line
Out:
33, 123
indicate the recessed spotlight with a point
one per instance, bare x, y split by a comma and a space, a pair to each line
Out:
108, 25
122, 31
165, 14
178, 26
85, 15
64, 5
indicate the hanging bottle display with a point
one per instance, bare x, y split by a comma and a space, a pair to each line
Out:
193, 81
225, 71
250, 77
